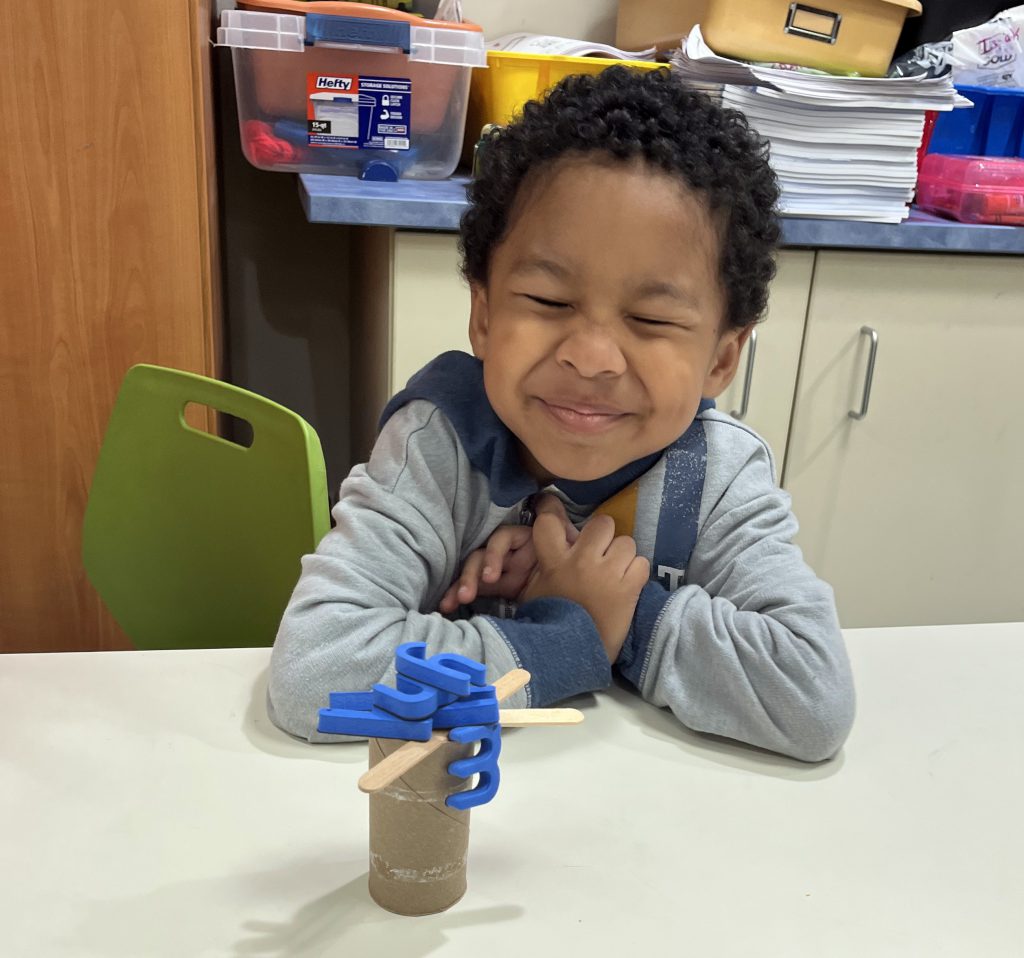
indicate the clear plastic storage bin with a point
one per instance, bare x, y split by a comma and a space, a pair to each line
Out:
350, 88
973, 189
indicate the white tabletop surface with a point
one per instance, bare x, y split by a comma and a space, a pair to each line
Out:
148, 808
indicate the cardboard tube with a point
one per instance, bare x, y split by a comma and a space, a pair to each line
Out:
418, 845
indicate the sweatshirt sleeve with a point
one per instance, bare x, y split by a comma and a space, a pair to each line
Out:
402, 526
749, 647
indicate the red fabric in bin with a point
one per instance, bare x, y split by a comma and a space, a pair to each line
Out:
264, 147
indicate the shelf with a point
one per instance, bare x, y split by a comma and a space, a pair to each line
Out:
438, 205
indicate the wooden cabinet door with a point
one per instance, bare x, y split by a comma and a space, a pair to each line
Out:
107, 258
776, 356
914, 512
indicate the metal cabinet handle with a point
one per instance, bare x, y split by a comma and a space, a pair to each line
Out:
748, 377
866, 397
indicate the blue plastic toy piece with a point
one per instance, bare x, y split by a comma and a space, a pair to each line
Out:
380, 171
405, 684
477, 673
445, 691
411, 661
374, 724
484, 764
482, 711
357, 701
418, 704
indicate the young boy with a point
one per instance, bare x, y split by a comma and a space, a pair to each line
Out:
618, 248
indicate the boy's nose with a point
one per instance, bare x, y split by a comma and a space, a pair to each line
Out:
592, 353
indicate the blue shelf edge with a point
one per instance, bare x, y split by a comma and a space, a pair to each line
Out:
438, 205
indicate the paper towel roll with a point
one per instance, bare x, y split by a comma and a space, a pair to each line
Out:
418, 845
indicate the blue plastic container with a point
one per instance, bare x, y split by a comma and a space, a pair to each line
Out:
995, 127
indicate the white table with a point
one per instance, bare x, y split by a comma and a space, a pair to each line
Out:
148, 808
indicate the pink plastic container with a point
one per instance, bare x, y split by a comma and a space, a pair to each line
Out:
973, 189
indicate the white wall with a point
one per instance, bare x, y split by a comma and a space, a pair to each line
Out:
580, 19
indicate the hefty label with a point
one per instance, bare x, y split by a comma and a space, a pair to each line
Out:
358, 112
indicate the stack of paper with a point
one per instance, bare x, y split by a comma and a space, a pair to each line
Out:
842, 147
564, 47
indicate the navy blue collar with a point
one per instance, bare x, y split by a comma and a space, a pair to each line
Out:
454, 382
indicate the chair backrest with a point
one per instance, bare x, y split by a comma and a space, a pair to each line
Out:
194, 541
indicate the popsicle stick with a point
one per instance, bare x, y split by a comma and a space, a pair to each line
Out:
519, 718
412, 753
510, 683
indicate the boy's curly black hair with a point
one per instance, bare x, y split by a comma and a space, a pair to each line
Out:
627, 113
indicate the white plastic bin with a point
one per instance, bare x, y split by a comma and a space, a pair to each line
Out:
349, 88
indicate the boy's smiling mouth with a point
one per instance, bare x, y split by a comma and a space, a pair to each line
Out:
582, 417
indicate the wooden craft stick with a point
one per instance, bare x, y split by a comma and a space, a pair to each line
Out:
519, 718
412, 753
510, 683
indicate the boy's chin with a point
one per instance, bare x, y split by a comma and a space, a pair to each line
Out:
575, 471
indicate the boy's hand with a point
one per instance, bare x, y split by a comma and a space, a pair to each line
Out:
600, 571
504, 566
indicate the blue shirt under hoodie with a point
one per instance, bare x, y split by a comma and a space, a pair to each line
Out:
733, 633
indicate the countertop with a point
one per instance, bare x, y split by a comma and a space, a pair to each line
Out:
438, 204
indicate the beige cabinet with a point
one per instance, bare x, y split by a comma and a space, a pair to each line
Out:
776, 356
914, 512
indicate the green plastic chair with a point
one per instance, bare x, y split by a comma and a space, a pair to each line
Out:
194, 541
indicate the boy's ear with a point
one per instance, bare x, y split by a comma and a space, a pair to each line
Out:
479, 319
725, 361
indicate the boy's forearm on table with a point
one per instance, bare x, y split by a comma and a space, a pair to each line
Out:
332, 646
750, 647
778, 680
340, 633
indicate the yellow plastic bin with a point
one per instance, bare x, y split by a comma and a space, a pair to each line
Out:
350, 88
842, 36
498, 93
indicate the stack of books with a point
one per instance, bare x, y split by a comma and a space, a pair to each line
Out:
843, 147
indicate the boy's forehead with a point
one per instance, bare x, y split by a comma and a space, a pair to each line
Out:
626, 217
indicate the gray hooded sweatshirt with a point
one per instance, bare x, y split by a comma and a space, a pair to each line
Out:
733, 633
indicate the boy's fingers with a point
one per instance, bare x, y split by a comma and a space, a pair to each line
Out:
449, 601
549, 538
548, 504
597, 534
494, 555
638, 572
621, 553
469, 580
507, 539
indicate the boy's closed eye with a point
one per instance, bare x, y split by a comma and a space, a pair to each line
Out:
650, 321
547, 303
555, 304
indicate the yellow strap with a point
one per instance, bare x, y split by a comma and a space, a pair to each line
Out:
622, 508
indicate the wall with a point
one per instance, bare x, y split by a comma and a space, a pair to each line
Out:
581, 19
